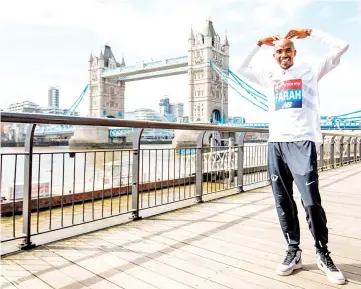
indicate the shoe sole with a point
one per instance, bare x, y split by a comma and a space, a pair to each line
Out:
334, 281
289, 272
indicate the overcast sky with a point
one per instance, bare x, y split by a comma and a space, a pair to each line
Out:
48, 42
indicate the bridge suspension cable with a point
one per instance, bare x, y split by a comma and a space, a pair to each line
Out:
75, 105
259, 97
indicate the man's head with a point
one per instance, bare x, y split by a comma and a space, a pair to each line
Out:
284, 52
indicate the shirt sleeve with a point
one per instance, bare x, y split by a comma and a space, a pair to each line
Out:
332, 59
256, 76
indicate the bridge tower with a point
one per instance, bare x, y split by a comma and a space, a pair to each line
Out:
208, 97
106, 97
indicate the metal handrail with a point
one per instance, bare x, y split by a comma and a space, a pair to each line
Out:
107, 122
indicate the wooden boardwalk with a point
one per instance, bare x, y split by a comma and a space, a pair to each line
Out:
233, 242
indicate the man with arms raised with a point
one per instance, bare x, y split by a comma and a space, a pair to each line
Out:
294, 127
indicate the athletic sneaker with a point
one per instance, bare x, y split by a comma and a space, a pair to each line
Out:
325, 263
291, 262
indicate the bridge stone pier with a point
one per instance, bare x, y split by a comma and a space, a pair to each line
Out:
208, 94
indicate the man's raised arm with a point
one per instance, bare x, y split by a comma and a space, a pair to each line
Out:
330, 60
247, 71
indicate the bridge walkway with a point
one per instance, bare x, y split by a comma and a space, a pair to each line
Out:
233, 242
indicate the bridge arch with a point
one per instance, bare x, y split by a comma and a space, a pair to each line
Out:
215, 116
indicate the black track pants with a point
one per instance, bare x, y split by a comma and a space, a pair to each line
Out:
297, 161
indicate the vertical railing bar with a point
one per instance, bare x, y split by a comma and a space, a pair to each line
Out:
212, 166
111, 190
332, 153
38, 198
51, 188
14, 190
94, 166
258, 164
217, 179
253, 165
104, 156
85, 156
255, 162
73, 195
161, 181
174, 155
141, 196
1, 171
190, 173
322, 148
155, 177
128, 185
62, 191
149, 179
207, 160
168, 180
185, 173
120, 180
179, 176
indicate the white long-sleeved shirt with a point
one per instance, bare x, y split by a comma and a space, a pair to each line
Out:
293, 100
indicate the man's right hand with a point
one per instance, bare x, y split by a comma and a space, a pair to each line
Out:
269, 40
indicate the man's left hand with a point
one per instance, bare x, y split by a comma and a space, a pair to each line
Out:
298, 33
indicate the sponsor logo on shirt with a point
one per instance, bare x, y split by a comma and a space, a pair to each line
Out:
288, 94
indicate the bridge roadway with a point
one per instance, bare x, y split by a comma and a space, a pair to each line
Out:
231, 242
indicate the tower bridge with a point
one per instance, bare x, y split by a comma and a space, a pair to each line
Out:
208, 95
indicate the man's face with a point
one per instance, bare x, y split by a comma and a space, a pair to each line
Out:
284, 52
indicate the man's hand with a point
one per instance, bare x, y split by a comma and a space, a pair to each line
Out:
268, 40
298, 33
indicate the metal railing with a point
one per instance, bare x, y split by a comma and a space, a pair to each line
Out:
63, 189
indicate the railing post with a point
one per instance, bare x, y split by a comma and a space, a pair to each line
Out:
349, 150
322, 148
229, 160
199, 167
341, 151
332, 152
240, 155
135, 174
354, 141
28, 176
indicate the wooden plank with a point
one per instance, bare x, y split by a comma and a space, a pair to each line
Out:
234, 242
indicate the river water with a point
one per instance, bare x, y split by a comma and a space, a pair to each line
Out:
60, 172
57, 171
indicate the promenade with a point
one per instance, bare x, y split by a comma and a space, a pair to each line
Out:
232, 242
